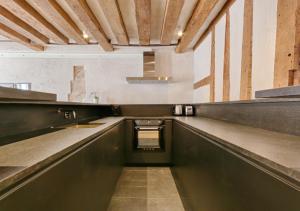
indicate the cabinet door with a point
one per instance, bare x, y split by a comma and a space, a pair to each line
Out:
212, 177
83, 180
197, 170
249, 186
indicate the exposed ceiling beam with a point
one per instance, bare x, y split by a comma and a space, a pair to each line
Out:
172, 14
112, 12
90, 22
143, 20
27, 13
17, 37
222, 12
55, 14
200, 14
17, 22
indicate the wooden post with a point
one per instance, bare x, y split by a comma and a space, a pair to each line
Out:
246, 71
287, 67
226, 68
212, 66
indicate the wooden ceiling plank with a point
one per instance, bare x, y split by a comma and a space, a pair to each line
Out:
200, 14
172, 14
14, 20
88, 19
17, 37
222, 12
21, 6
143, 20
112, 12
56, 14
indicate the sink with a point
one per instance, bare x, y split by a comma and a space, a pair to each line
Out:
86, 125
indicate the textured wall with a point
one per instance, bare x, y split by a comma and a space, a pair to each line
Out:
105, 75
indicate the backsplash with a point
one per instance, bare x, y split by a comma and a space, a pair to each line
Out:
20, 119
281, 115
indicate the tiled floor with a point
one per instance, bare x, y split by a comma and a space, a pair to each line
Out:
146, 189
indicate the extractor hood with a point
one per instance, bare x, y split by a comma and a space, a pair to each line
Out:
150, 74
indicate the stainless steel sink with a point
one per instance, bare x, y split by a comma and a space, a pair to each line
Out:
86, 125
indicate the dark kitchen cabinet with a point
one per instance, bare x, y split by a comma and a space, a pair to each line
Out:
211, 177
83, 180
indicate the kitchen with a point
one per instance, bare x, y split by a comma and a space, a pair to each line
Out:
149, 105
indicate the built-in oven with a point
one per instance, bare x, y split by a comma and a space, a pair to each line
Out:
149, 135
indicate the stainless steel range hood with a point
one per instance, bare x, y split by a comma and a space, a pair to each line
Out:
150, 75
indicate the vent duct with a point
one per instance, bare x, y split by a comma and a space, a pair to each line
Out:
150, 75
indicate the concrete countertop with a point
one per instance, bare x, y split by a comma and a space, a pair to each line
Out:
278, 151
27, 156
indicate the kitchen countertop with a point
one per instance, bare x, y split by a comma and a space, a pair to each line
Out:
32, 154
278, 151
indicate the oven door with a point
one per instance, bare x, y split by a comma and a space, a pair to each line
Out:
149, 137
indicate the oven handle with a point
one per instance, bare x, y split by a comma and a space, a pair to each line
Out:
149, 128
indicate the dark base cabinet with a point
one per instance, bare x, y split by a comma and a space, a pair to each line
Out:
211, 177
83, 180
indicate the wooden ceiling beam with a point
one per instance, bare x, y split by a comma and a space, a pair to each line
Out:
172, 14
17, 37
56, 14
222, 12
143, 20
25, 11
200, 14
113, 14
15, 21
90, 22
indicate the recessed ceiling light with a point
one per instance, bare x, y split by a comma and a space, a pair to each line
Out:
85, 35
180, 33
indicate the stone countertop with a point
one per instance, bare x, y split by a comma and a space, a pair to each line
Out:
278, 151
26, 157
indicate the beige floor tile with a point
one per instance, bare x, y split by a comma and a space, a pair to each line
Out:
164, 204
128, 204
131, 191
146, 188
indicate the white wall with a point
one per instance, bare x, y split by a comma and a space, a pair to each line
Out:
105, 75
202, 69
264, 36
263, 51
